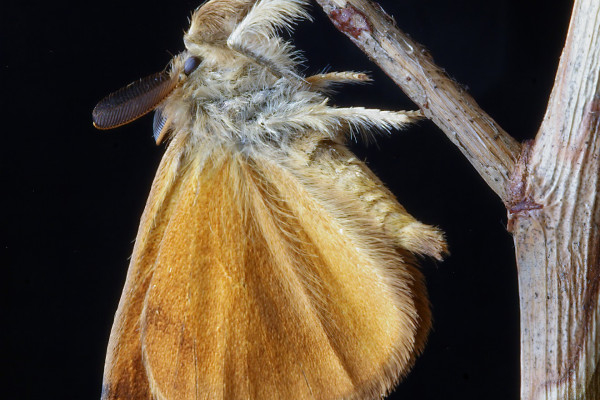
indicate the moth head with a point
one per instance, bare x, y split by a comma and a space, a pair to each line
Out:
211, 25
144, 95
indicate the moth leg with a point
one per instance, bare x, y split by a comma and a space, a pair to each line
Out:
360, 119
352, 175
265, 61
333, 122
322, 82
255, 36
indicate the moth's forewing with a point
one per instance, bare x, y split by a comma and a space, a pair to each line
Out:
124, 372
260, 284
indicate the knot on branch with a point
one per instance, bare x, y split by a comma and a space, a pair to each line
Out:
519, 201
350, 21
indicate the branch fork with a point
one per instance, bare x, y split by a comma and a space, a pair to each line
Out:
549, 186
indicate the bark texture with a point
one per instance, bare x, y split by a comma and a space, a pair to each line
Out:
556, 231
549, 186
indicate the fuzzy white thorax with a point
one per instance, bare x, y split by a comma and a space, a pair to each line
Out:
247, 93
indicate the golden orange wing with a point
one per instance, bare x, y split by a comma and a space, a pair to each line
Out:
248, 280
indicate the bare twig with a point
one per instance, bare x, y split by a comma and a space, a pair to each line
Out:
558, 242
486, 145
550, 189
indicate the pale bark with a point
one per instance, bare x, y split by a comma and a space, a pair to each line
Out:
549, 187
486, 145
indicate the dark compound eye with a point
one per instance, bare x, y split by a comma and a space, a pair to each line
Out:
190, 65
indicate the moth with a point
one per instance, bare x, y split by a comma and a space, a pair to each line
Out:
270, 262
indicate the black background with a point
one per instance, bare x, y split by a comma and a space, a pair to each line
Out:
72, 196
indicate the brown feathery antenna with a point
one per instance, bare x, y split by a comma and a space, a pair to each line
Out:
134, 100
